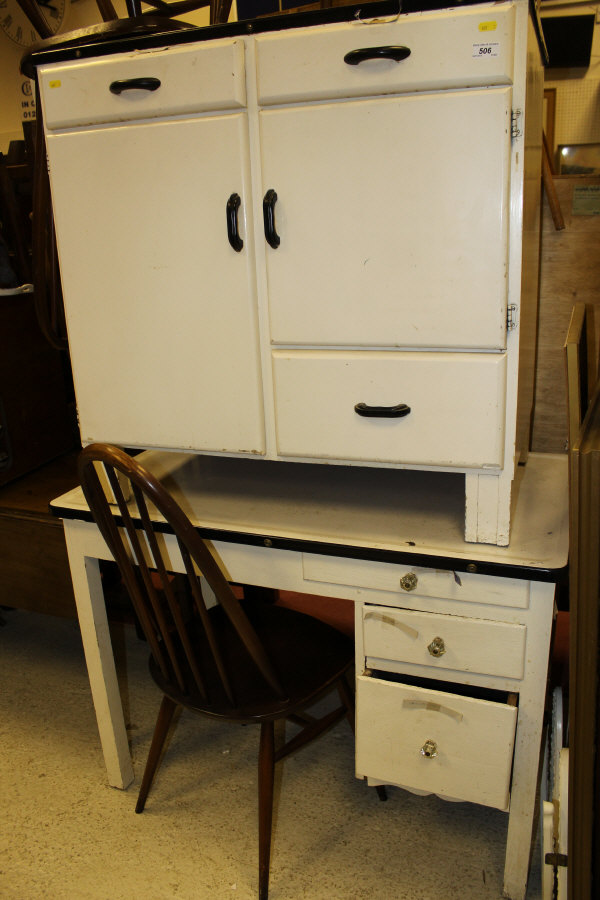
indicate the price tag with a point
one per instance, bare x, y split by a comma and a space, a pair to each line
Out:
484, 50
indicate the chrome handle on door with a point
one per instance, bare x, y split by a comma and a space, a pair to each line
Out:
409, 581
429, 749
15, 291
437, 647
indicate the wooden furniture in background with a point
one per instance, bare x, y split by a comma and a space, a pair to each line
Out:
549, 122
37, 415
550, 187
584, 656
582, 366
16, 202
34, 568
36, 418
570, 273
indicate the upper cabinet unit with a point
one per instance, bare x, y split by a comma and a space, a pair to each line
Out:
306, 243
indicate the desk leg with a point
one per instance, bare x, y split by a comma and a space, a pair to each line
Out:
93, 622
528, 743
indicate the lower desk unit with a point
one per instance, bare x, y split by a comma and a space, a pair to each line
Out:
451, 684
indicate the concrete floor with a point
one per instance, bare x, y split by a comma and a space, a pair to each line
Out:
65, 834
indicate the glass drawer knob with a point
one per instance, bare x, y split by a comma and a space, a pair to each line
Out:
409, 581
437, 647
429, 749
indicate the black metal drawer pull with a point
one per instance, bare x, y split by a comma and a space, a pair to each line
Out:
269, 201
354, 57
382, 412
135, 84
233, 204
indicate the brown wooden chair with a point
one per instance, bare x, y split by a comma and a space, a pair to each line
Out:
243, 661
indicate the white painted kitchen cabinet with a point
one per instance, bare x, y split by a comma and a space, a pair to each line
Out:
361, 302
161, 310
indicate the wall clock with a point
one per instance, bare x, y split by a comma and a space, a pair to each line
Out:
15, 24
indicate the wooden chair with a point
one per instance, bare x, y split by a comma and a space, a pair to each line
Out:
242, 661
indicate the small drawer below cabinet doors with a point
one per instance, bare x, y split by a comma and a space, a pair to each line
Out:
456, 403
473, 741
446, 642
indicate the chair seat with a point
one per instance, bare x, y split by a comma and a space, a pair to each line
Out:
308, 656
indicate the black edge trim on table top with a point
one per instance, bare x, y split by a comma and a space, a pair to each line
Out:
319, 548
124, 35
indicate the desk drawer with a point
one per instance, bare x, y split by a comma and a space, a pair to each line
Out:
446, 642
197, 78
456, 403
472, 740
418, 581
467, 47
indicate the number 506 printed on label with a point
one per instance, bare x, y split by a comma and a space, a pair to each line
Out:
486, 49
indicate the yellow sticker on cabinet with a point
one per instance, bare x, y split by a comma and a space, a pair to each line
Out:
55, 83
487, 26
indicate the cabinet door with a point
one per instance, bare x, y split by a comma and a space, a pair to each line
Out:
160, 307
393, 220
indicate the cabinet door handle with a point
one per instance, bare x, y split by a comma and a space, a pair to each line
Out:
382, 412
269, 201
437, 647
16, 291
354, 57
233, 204
135, 84
429, 750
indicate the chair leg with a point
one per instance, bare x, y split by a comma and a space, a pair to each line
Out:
165, 717
266, 765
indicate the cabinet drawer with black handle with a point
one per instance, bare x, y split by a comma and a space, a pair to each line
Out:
431, 51
126, 87
419, 408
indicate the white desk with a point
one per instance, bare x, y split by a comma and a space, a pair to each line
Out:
357, 533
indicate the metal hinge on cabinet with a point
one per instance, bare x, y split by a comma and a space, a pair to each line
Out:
556, 859
515, 129
511, 317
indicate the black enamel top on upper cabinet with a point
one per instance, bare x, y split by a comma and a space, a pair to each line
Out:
122, 35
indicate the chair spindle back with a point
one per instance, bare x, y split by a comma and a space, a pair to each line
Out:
170, 609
